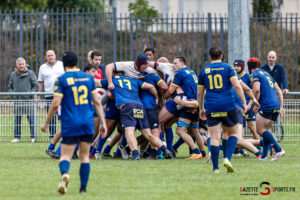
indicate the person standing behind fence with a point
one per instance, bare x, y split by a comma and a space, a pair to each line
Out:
276, 70
22, 80
48, 72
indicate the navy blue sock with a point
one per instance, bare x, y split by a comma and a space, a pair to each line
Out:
261, 143
135, 153
259, 147
230, 146
215, 156
258, 153
161, 136
203, 154
221, 147
64, 166
148, 150
179, 142
92, 150
158, 151
196, 151
169, 138
84, 173
163, 148
123, 141
272, 141
266, 144
51, 146
107, 149
76, 148
58, 149
118, 152
224, 143
242, 151
101, 142
208, 144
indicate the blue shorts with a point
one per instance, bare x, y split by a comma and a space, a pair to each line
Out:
229, 118
134, 115
152, 115
250, 115
111, 111
186, 113
171, 107
242, 120
77, 139
269, 114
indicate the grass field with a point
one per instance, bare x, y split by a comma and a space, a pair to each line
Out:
27, 173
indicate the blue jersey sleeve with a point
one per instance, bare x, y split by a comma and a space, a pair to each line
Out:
232, 73
58, 88
93, 85
157, 79
254, 77
140, 83
103, 83
201, 79
177, 79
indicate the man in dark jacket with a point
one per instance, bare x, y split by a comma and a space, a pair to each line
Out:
276, 70
22, 80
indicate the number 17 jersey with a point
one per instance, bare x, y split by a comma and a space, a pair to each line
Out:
215, 77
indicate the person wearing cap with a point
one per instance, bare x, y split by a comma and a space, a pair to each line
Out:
276, 70
48, 72
270, 98
250, 116
220, 110
76, 92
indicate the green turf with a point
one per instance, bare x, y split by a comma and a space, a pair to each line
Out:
27, 173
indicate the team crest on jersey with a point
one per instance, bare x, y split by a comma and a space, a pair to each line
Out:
207, 70
70, 81
187, 71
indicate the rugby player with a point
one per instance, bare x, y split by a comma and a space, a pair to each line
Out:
220, 108
75, 91
270, 98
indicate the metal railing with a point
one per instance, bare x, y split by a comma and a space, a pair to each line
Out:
123, 37
14, 124
287, 128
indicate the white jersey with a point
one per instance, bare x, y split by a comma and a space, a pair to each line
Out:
166, 69
128, 68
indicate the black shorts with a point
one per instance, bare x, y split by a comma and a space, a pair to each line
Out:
269, 114
229, 118
202, 124
250, 115
134, 115
152, 115
186, 113
77, 139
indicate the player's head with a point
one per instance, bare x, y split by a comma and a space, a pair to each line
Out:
96, 57
89, 57
178, 63
163, 60
141, 59
90, 69
69, 59
150, 53
239, 65
253, 64
216, 53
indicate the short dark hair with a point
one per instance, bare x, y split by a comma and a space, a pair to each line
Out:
149, 49
215, 53
96, 53
69, 59
181, 59
88, 67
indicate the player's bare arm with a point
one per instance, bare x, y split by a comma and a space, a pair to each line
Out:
238, 88
109, 69
170, 91
280, 96
201, 91
186, 103
250, 94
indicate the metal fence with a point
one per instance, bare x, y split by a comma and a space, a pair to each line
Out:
286, 129
122, 37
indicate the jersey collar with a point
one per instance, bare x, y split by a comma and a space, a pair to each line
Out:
216, 61
242, 74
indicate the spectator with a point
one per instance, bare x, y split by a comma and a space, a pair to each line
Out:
22, 80
276, 70
48, 73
